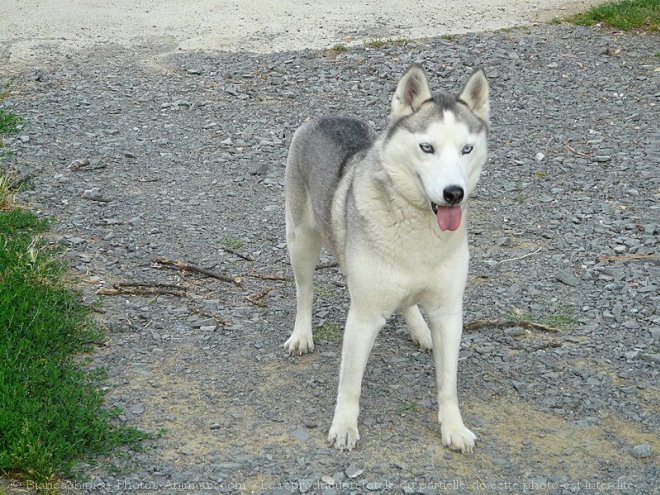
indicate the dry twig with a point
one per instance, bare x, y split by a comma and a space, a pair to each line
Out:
258, 298
246, 257
141, 289
188, 267
521, 257
269, 276
323, 266
578, 153
530, 325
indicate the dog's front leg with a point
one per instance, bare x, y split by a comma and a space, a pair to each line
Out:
446, 331
359, 335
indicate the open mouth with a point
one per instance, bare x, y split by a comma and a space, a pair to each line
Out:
448, 217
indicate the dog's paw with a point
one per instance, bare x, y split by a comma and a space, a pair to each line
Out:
458, 437
423, 340
299, 344
343, 437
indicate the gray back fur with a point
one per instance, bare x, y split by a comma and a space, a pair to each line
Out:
321, 152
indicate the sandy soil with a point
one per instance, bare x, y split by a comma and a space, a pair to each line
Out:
33, 29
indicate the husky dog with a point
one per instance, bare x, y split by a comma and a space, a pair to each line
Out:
392, 208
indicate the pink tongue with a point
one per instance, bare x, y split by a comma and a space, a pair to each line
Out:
449, 217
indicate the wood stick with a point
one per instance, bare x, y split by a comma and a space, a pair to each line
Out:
520, 257
258, 298
189, 267
140, 290
578, 153
269, 276
323, 266
246, 257
530, 325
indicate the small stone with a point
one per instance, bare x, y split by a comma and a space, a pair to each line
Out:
552, 65
630, 355
602, 158
539, 156
78, 164
24, 139
641, 451
592, 381
259, 168
515, 332
231, 89
215, 426
195, 72
300, 434
94, 194
139, 409
566, 277
328, 480
353, 471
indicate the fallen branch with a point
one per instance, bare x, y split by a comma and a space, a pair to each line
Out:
520, 257
257, 299
188, 267
246, 257
269, 276
578, 153
327, 265
141, 289
530, 325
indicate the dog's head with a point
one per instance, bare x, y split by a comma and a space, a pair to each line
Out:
436, 145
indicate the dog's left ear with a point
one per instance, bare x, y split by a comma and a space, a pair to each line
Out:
412, 91
475, 95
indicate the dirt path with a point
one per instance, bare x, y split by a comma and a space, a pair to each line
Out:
33, 29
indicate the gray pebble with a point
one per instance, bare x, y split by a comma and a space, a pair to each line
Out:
641, 451
353, 471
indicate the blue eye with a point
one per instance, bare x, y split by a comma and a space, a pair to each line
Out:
426, 147
467, 149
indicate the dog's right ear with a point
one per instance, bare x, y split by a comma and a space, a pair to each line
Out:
412, 91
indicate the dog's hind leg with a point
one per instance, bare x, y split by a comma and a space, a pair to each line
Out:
419, 330
304, 243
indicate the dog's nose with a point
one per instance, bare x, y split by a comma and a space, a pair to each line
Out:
453, 194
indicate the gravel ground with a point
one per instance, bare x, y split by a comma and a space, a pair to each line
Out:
181, 159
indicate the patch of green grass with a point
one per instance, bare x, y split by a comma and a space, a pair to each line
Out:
9, 122
399, 41
520, 198
339, 48
329, 332
51, 413
375, 43
322, 290
563, 320
233, 243
409, 407
448, 37
6, 194
625, 15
